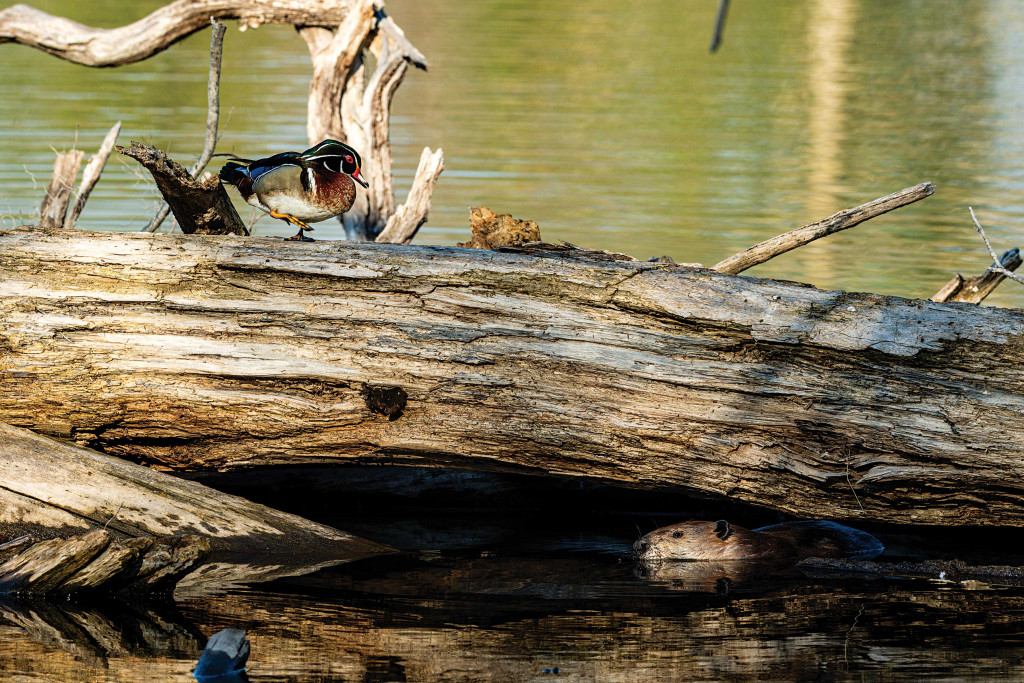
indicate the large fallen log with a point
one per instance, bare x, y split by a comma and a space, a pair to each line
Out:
219, 353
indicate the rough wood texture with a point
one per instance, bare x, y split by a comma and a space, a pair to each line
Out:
157, 31
45, 565
93, 561
48, 487
114, 561
58, 194
847, 218
974, 290
490, 230
201, 207
221, 353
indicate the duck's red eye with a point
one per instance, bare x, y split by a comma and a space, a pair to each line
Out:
349, 159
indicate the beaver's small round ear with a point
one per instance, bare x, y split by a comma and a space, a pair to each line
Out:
722, 529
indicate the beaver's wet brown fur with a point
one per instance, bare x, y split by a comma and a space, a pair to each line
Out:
791, 542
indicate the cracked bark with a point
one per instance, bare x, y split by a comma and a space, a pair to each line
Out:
219, 354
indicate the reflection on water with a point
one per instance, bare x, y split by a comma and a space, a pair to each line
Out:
612, 127
508, 611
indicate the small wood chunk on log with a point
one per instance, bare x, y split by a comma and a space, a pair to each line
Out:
46, 565
58, 194
975, 289
201, 207
491, 231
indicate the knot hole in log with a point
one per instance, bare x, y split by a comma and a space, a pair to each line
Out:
386, 400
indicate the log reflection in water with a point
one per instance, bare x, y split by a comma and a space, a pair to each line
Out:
85, 642
788, 632
476, 616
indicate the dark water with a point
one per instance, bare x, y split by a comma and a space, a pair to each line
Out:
516, 592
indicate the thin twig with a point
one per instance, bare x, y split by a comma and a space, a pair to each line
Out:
850, 481
212, 114
995, 267
114, 515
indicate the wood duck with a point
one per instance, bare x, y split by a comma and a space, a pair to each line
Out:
299, 188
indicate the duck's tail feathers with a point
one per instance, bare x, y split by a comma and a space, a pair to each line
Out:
233, 172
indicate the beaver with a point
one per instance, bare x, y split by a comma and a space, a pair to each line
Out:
789, 542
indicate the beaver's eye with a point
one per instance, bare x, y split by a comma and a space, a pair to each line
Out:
677, 534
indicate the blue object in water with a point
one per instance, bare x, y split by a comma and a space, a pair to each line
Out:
224, 657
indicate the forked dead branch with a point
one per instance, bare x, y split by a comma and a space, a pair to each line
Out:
347, 100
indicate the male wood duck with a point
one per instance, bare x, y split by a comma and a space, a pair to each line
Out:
299, 188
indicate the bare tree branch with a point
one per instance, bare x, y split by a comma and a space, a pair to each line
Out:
91, 174
410, 216
212, 115
159, 30
996, 267
847, 218
974, 290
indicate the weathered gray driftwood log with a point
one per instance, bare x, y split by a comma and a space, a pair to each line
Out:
218, 353
49, 488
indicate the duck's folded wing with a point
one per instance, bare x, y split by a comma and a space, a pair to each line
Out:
280, 178
261, 167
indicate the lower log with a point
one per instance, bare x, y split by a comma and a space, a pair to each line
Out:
217, 353
49, 488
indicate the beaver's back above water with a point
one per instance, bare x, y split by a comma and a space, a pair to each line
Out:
791, 541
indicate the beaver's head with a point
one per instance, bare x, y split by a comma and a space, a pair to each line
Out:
699, 541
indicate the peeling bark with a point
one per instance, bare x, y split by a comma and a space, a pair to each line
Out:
217, 353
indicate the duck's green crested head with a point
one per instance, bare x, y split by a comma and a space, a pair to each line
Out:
336, 157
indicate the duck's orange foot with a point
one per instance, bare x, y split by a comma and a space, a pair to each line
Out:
291, 219
299, 238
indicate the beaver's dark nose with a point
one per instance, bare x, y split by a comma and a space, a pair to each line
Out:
640, 547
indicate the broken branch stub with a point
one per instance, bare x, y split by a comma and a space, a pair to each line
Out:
91, 175
58, 194
201, 207
975, 289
